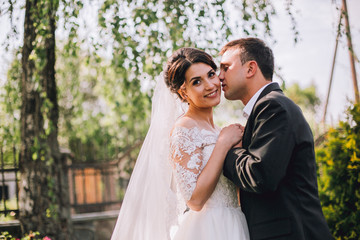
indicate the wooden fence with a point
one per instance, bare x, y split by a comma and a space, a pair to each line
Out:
93, 187
96, 187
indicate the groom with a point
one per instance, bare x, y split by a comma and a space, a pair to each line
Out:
274, 165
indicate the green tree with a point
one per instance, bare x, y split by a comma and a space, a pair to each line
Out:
306, 97
44, 201
339, 176
105, 77
10, 104
99, 100
309, 102
119, 69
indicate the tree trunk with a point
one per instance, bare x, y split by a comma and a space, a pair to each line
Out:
44, 196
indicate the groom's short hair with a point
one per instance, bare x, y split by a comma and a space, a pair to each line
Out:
253, 49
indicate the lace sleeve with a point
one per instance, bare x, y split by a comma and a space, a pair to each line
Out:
187, 159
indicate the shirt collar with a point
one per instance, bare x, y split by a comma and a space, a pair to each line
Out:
250, 105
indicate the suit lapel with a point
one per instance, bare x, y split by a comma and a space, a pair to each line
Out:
250, 122
271, 87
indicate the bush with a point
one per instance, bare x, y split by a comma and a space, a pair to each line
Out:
339, 176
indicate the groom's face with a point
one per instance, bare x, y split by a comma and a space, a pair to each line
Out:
233, 75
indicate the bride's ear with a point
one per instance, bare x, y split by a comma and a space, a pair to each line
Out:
182, 93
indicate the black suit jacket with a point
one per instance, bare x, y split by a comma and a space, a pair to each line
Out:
276, 172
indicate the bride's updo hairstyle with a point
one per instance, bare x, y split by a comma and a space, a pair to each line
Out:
179, 63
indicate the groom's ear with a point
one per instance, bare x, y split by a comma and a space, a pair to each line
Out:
252, 68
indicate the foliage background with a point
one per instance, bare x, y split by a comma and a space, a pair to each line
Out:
339, 176
108, 54
105, 70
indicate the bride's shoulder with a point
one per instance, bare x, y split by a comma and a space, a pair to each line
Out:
184, 123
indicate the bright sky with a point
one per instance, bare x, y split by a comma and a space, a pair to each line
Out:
309, 60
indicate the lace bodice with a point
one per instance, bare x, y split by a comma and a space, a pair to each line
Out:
190, 150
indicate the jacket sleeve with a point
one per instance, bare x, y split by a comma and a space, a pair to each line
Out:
262, 165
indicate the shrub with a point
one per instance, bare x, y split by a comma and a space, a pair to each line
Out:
339, 176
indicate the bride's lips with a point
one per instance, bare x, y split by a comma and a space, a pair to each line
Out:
212, 94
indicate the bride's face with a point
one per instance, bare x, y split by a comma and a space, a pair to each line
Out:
202, 86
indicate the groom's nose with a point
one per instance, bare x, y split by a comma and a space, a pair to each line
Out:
221, 75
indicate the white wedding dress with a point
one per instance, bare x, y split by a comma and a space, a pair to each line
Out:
154, 203
221, 218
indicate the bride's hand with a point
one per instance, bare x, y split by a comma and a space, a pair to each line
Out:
231, 135
238, 145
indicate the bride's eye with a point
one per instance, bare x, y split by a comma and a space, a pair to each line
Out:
212, 74
196, 82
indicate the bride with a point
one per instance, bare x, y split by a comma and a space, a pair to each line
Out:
177, 190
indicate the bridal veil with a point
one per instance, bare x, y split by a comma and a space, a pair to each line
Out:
149, 207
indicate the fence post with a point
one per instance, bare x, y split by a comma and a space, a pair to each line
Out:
16, 169
3, 179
